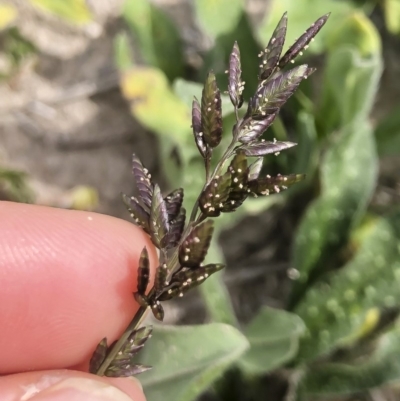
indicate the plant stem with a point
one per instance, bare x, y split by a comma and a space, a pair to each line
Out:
135, 322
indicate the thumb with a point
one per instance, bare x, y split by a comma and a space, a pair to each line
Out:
68, 385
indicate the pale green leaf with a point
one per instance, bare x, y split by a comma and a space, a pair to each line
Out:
301, 14
154, 103
374, 369
348, 177
158, 37
218, 17
214, 292
349, 88
188, 359
356, 30
345, 309
387, 133
392, 15
274, 340
122, 52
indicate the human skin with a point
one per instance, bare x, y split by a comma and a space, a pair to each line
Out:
66, 281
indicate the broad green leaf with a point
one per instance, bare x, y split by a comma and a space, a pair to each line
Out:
356, 30
349, 87
274, 340
379, 367
122, 52
154, 103
159, 40
218, 17
301, 14
75, 11
306, 151
214, 292
14, 185
188, 359
217, 59
348, 176
8, 15
346, 308
392, 15
387, 133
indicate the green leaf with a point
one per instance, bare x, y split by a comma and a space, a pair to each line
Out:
155, 105
217, 59
75, 11
300, 15
349, 87
391, 10
347, 308
274, 340
306, 151
379, 367
214, 292
356, 30
187, 359
158, 37
387, 133
348, 176
15, 186
218, 17
122, 52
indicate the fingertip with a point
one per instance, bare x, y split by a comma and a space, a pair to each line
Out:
67, 282
65, 385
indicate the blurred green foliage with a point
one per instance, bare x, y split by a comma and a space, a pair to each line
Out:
72, 11
14, 187
335, 305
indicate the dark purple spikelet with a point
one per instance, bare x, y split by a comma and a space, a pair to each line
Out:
235, 84
269, 185
213, 198
139, 215
186, 279
253, 171
143, 183
266, 148
194, 248
238, 189
269, 98
158, 310
173, 203
211, 114
159, 225
303, 41
251, 130
272, 53
141, 299
98, 356
161, 278
125, 370
176, 229
123, 365
198, 130
143, 272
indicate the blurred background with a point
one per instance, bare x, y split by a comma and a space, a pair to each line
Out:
313, 274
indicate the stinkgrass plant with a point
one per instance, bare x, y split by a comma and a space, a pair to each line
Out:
183, 242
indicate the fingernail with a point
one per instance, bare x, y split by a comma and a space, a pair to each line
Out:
85, 389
